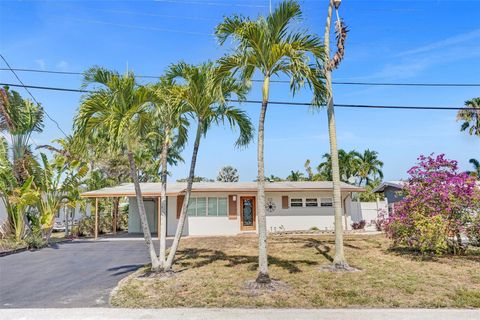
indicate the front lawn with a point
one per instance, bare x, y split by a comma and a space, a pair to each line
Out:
212, 272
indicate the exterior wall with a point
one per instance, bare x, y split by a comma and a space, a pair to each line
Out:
3, 212
393, 194
291, 219
367, 211
134, 225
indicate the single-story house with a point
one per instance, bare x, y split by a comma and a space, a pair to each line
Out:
230, 208
392, 191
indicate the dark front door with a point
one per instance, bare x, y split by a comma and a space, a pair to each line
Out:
248, 213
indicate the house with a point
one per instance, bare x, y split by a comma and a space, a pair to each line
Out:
230, 208
392, 191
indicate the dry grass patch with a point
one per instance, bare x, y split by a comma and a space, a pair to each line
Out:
212, 272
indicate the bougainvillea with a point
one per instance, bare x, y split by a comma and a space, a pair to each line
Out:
438, 208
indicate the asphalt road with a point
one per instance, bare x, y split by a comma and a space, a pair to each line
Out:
70, 274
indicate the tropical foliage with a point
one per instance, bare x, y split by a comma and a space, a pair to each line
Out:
470, 117
439, 205
228, 174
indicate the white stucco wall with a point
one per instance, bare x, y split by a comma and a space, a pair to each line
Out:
3, 212
293, 218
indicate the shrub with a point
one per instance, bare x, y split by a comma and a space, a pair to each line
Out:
380, 221
473, 231
436, 209
359, 225
34, 240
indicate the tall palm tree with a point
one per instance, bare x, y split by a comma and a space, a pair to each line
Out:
470, 118
205, 95
20, 118
349, 164
476, 168
272, 47
120, 107
170, 112
295, 176
369, 167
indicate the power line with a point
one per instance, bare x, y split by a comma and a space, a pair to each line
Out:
287, 103
31, 95
350, 83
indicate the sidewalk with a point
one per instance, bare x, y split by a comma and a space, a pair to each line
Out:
237, 314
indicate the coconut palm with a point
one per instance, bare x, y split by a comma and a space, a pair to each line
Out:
470, 117
121, 108
349, 164
369, 167
295, 176
272, 47
205, 93
170, 113
228, 174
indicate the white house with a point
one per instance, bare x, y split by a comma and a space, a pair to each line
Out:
230, 208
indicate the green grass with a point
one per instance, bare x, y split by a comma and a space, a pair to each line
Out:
212, 273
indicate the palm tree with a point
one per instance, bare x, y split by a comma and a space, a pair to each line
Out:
20, 118
470, 117
228, 174
170, 113
295, 176
270, 46
369, 166
205, 95
349, 164
476, 168
120, 108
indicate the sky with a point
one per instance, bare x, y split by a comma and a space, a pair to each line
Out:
388, 41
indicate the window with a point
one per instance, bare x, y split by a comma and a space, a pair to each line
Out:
211, 206
296, 202
222, 207
326, 202
311, 202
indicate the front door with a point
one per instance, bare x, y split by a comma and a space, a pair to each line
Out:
247, 213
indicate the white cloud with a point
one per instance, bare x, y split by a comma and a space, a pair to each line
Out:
62, 65
447, 42
41, 64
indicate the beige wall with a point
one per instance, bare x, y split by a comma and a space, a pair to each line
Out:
293, 218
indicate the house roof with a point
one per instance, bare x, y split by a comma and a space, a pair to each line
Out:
150, 189
398, 184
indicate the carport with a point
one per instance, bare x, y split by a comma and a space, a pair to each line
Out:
115, 194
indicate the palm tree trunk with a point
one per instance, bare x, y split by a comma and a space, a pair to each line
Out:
163, 206
263, 276
339, 260
142, 214
183, 213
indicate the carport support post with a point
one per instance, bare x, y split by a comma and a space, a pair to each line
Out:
96, 218
158, 216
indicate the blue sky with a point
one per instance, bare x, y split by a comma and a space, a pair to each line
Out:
402, 41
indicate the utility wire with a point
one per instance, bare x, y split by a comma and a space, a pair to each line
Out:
287, 103
31, 95
405, 84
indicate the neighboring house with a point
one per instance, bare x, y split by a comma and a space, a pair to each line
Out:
392, 191
229, 208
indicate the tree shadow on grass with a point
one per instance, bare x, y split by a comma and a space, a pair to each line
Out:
196, 258
416, 255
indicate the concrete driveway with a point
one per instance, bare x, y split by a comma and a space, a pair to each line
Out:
72, 274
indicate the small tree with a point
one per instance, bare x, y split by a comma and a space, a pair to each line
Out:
228, 174
438, 206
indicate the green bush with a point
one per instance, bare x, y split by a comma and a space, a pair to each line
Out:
34, 240
473, 231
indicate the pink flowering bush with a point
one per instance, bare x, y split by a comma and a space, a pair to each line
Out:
439, 206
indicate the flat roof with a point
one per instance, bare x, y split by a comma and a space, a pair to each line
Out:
153, 189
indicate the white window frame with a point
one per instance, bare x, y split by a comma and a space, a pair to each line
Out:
311, 201
294, 202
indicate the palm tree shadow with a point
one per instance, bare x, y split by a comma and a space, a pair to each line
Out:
188, 260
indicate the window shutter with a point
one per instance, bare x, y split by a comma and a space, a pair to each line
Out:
180, 199
232, 208
285, 202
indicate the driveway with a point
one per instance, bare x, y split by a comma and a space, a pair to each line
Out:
71, 274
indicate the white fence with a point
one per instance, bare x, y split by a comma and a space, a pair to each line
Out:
367, 211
